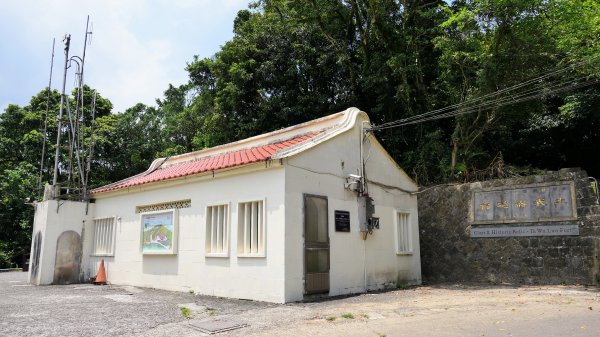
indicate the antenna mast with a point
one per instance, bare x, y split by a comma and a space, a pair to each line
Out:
84, 172
91, 150
77, 170
46, 117
67, 40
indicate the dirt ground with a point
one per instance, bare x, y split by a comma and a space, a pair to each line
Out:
440, 310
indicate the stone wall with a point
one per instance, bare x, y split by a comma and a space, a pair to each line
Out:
449, 253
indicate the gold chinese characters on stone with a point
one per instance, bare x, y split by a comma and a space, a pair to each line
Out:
502, 204
521, 203
560, 200
539, 202
484, 206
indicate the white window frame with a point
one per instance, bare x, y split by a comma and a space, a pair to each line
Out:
112, 236
175, 217
406, 232
208, 230
241, 232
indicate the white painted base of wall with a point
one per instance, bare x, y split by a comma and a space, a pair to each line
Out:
52, 218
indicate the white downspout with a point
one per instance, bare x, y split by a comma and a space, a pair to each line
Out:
365, 263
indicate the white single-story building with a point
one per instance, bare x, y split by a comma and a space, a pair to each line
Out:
318, 207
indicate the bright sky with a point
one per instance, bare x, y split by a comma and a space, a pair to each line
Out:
138, 47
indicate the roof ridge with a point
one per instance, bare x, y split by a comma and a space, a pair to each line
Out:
218, 154
326, 122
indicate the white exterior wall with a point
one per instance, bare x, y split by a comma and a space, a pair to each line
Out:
238, 277
353, 261
380, 168
356, 265
52, 218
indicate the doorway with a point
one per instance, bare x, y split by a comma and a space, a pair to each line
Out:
316, 245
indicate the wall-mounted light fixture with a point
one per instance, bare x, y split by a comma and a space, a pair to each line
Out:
353, 182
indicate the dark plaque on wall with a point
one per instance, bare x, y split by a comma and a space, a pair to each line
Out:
342, 221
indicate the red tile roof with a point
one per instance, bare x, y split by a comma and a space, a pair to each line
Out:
211, 163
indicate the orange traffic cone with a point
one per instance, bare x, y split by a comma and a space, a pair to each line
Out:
101, 276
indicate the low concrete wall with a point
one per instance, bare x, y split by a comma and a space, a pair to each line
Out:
449, 253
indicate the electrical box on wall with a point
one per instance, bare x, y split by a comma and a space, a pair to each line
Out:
372, 223
366, 209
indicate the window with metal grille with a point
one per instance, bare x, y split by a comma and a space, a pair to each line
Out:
104, 237
403, 233
217, 230
251, 229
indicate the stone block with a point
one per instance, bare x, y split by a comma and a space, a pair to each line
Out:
546, 241
558, 242
589, 250
553, 252
588, 210
585, 231
536, 274
577, 250
588, 201
564, 252
534, 242
575, 262
556, 263
590, 221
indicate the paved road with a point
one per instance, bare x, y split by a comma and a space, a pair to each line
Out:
444, 310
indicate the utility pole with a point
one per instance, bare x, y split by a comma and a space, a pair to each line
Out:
67, 40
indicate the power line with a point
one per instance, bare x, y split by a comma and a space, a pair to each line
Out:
476, 103
500, 101
504, 101
555, 87
514, 87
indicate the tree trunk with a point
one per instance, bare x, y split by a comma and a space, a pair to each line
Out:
454, 155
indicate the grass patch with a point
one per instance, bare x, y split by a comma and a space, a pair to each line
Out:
348, 315
491, 279
402, 286
186, 312
211, 311
330, 318
191, 291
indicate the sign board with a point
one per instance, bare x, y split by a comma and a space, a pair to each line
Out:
342, 221
527, 203
541, 230
159, 232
